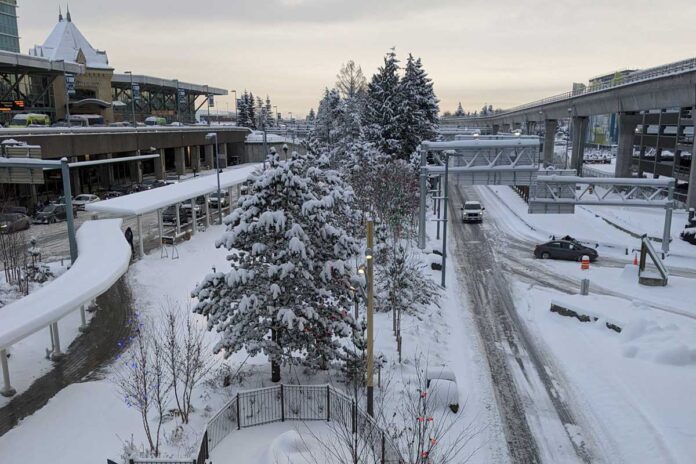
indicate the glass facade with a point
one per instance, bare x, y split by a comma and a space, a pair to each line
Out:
9, 35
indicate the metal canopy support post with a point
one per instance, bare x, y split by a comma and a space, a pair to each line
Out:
7, 389
57, 353
444, 223
67, 195
178, 219
83, 319
423, 193
207, 210
370, 317
141, 248
194, 219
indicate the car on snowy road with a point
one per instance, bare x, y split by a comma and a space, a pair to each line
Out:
570, 250
472, 211
81, 200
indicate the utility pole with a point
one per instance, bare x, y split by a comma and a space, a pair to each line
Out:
207, 96
370, 311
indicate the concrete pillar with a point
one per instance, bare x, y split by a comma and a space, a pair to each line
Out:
159, 165
57, 353
106, 172
691, 193
495, 128
507, 127
195, 158
222, 155
209, 154
624, 152
579, 130
550, 126
136, 171
180, 160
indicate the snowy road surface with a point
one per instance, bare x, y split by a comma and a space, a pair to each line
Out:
539, 426
626, 393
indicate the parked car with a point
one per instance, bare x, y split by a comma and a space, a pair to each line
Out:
224, 199
112, 194
171, 179
13, 222
81, 200
51, 213
472, 211
169, 215
186, 206
14, 209
570, 250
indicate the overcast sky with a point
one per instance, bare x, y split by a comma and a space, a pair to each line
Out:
477, 51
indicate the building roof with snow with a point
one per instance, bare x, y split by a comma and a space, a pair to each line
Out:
67, 43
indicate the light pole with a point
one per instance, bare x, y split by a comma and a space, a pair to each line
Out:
235, 106
207, 97
275, 108
130, 73
370, 311
67, 95
213, 136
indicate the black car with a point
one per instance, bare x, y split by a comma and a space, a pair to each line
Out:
570, 250
689, 235
169, 215
51, 213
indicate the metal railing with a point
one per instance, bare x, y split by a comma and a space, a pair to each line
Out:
282, 403
300, 403
592, 172
678, 67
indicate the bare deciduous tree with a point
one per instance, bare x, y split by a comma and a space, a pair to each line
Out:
350, 80
187, 356
142, 380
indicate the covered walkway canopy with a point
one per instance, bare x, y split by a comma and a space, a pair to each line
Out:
103, 258
148, 201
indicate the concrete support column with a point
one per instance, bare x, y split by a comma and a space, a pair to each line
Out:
136, 171
195, 158
495, 128
550, 126
222, 155
194, 219
507, 127
180, 160
209, 155
159, 165
691, 193
624, 152
579, 130
106, 172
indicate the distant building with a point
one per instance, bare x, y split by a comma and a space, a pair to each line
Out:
92, 89
9, 34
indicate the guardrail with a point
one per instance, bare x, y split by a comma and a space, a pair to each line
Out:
282, 403
678, 67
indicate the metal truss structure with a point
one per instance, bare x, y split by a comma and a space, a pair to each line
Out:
557, 194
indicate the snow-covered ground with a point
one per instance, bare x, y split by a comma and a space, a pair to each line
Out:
633, 389
441, 336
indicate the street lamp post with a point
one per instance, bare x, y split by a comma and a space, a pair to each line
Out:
207, 97
67, 95
235, 106
277, 120
370, 311
130, 73
213, 136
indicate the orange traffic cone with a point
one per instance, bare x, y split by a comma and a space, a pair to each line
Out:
635, 259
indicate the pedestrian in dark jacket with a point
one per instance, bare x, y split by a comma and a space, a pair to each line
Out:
129, 238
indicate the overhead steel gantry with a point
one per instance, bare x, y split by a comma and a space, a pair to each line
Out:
554, 194
479, 161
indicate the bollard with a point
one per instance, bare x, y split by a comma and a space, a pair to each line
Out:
585, 282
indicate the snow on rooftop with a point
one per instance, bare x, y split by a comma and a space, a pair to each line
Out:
66, 42
147, 201
103, 258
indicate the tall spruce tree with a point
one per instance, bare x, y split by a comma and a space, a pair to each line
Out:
419, 107
382, 114
460, 110
286, 295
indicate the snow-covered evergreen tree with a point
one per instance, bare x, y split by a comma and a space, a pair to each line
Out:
251, 105
460, 110
382, 117
311, 116
287, 294
243, 119
419, 107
